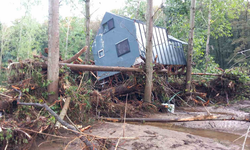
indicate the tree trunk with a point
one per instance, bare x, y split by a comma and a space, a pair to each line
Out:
1, 52
67, 40
149, 64
87, 29
208, 32
20, 42
190, 47
4, 37
53, 54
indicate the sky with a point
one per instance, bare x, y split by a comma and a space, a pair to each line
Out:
13, 9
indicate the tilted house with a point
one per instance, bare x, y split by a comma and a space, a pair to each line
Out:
120, 41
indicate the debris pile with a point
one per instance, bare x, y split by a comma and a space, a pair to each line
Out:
118, 96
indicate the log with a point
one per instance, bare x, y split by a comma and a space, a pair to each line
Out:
80, 67
75, 56
195, 118
64, 111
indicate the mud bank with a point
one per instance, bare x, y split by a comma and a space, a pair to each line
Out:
155, 138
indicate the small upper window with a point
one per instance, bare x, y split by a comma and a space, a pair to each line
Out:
101, 53
122, 48
109, 25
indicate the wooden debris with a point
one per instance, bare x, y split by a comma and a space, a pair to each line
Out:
206, 74
64, 111
80, 67
85, 128
195, 118
64, 123
75, 57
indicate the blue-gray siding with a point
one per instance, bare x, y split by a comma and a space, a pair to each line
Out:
124, 29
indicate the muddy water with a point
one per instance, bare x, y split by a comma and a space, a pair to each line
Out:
218, 136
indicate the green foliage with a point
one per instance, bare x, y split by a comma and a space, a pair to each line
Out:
242, 73
134, 9
28, 37
8, 134
3, 78
52, 119
72, 36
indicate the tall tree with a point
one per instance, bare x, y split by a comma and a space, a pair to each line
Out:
208, 31
190, 47
4, 37
67, 38
87, 9
53, 45
149, 47
2, 46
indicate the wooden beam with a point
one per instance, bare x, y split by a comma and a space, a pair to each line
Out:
80, 67
193, 118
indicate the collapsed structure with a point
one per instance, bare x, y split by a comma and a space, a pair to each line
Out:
120, 41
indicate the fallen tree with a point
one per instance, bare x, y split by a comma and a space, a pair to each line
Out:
195, 118
83, 67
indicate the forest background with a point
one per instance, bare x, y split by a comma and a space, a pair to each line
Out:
221, 36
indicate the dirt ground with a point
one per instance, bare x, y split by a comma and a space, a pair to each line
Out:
240, 109
155, 138
195, 135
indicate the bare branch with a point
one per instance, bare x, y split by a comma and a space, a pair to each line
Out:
75, 56
203, 17
64, 123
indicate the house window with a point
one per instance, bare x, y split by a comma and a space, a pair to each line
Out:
122, 48
109, 25
101, 53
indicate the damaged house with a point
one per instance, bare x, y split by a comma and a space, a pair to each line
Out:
120, 41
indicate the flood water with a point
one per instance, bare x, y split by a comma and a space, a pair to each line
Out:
218, 136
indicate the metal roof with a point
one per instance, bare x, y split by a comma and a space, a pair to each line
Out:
175, 39
166, 48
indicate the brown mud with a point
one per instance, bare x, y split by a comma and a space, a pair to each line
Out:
193, 135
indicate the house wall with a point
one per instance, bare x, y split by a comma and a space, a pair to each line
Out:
124, 29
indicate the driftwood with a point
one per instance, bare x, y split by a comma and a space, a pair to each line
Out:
80, 67
64, 111
64, 123
75, 57
195, 118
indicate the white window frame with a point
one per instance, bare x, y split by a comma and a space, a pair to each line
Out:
99, 53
